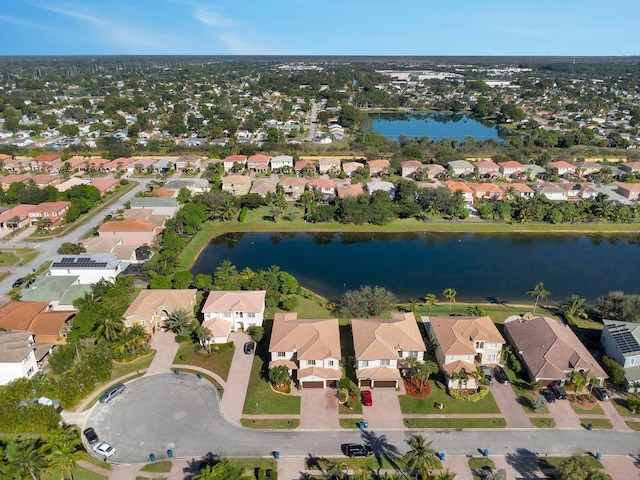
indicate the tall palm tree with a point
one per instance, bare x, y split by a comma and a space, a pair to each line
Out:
421, 457
450, 294
423, 372
460, 376
540, 293
62, 451
204, 337
335, 470
179, 319
446, 475
573, 307
25, 458
109, 323
430, 299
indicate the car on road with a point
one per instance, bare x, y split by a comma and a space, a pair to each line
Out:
600, 393
357, 450
559, 392
17, 283
249, 347
500, 375
103, 448
91, 435
488, 376
548, 395
367, 398
107, 396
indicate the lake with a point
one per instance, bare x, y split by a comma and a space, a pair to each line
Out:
480, 267
434, 126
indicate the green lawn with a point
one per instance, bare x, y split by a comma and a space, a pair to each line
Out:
635, 426
260, 399
622, 407
162, 467
268, 423
140, 363
250, 464
449, 423
596, 410
219, 362
540, 422
13, 256
307, 308
477, 464
602, 423
353, 422
412, 405
497, 312
372, 463
79, 474
8, 258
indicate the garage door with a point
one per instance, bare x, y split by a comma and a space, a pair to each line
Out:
365, 383
312, 384
385, 384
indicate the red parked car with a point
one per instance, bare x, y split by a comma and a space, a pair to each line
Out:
367, 399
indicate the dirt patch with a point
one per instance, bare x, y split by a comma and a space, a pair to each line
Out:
413, 388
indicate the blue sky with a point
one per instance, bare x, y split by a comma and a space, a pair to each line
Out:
326, 27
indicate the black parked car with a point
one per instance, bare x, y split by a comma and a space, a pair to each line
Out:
548, 395
500, 375
559, 392
18, 282
357, 450
249, 347
91, 435
600, 393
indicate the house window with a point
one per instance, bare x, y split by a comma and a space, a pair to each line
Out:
143, 323
251, 315
364, 363
385, 363
491, 357
413, 354
30, 372
226, 315
281, 354
311, 363
330, 363
632, 361
479, 345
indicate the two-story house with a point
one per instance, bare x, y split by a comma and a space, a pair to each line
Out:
460, 168
463, 344
621, 341
54, 211
236, 184
309, 348
45, 163
281, 161
329, 165
243, 308
17, 356
152, 308
381, 346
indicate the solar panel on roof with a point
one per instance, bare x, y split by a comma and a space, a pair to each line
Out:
624, 339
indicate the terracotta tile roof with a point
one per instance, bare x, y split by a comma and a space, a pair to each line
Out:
411, 163
14, 179
150, 301
377, 165
293, 182
20, 211
259, 158
127, 226
349, 167
312, 339
251, 301
237, 179
236, 158
50, 206
380, 339
455, 367
561, 164
518, 187
455, 186
319, 372
457, 335
346, 191
219, 327
19, 315
322, 183
378, 373
509, 164
46, 158
104, 184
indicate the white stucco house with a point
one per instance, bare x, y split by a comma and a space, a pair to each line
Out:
243, 308
17, 356
88, 267
621, 341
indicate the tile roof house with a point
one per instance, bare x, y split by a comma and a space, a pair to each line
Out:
105, 184
72, 182
630, 191
17, 356
464, 343
486, 191
409, 168
164, 165
264, 186
151, 308
487, 169
310, 348
258, 163
194, 185
326, 186
187, 163
281, 161
244, 308
551, 191
131, 232
517, 189
378, 167
349, 191
44, 163
46, 325
125, 253
455, 186
630, 167
329, 164
460, 168
16, 217
90, 268
387, 187
306, 167
433, 170
54, 211
621, 341
118, 165
6, 182
236, 184
157, 205
230, 162
510, 168
550, 351
44, 180
562, 168
293, 187
351, 167
93, 164
381, 345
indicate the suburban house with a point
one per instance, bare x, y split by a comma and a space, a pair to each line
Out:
44, 180
630, 191
126, 253
72, 182
326, 186
460, 168
233, 161
551, 191
16, 217
550, 351
309, 348
577, 191
244, 308
517, 189
131, 232
6, 182
487, 169
93, 164
532, 170
264, 186
44, 163
281, 161
164, 165
329, 165
486, 191
351, 167
306, 167
194, 185
293, 187
562, 168
378, 167
456, 186
463, 344
118, 165
510, 168
151, 308
17, 356
157, 205
187, 163
349, 191
158, 220
630, 167
47, 326
409, 168
54, 211
433, 170
258, 163
88, 267
381, 345
621, 341
386, 187
141, 165
59, 292
105, 185
236, 184
584, 169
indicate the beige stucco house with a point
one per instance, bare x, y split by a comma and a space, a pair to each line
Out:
152, 308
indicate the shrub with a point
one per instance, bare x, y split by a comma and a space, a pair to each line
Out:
243, 214
256, 333
289, 303
470, 397
538, 403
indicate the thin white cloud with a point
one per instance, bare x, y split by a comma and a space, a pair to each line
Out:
213, 19
17, 21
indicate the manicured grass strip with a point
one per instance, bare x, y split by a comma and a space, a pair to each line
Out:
307, 308
357, 409
596, 410
449, 423
267, 423
94, 461
80, 473
140, 363
353, 422
540, 422
622, 406
163, 467
602, 423
412, 405
480, 463
366, 463
260, 399
635, 426
250, 464
219, 361
554, 462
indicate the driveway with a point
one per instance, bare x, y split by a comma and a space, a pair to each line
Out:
563, 414
385, 411
238, 379
622, 468
319, 409
511, 410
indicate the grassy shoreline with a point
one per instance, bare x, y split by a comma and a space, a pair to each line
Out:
254, 222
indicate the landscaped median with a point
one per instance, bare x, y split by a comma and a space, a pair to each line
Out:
430, 405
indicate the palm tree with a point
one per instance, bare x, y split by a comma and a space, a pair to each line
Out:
88, 302
460, 376
26, 459
421, 457
430, 299
423, 372
540, 293
535, 385
204, 336
574, 307
109, 323
279, 376
578, 380
223, 470
62, 451
450, 294
179, 319
446, 475
478, 377
335, 470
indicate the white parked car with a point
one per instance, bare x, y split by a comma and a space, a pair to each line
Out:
104, 448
